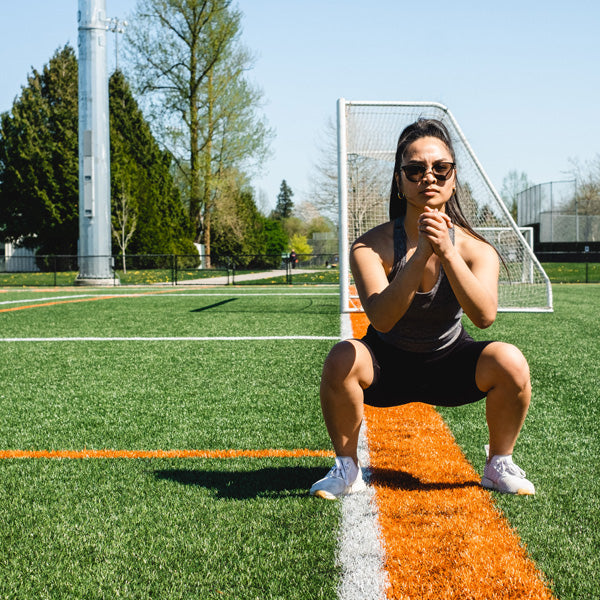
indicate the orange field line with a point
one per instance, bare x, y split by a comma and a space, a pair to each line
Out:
103, 297
106, 453
40, 304
443, 537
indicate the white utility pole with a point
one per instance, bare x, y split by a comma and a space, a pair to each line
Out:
95, 261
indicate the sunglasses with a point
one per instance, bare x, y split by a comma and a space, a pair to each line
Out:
416, 171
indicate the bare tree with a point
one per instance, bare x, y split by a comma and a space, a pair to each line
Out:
513, 183
587, 195
124, 223
368, 186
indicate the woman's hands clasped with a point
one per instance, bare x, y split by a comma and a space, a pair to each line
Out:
433, 232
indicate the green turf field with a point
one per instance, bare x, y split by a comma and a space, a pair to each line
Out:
242, 528
559, 447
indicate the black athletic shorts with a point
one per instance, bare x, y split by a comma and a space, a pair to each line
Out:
442, 378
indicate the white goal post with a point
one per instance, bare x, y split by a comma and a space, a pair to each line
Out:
367, 136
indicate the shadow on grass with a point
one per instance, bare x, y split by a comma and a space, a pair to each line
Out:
401, 480
215, 305
291, 305
240, 485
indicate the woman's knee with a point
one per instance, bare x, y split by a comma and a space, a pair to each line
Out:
348, 360
503, 364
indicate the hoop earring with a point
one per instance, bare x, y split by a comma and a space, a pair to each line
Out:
401, 196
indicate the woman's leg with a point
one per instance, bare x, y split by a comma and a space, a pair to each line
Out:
502, 371
347, 371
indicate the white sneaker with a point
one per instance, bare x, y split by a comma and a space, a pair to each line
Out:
502, 475
345, 477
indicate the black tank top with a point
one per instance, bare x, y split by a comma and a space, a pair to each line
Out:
433, 320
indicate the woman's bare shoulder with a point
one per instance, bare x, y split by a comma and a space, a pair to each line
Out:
377, 238
472, 248
376, 246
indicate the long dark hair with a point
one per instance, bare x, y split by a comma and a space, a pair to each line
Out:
417, 130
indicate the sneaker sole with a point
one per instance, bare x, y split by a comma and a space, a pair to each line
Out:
488, 484
325, 495
353, 489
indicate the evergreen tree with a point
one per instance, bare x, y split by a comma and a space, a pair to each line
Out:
275, 238
39, 191
141, 172
285, 205
39, 168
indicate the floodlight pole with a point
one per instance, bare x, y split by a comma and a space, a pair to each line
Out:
95, 261
116, 26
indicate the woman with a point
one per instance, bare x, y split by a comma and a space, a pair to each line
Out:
416, 275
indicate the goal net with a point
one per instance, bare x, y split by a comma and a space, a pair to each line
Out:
367, 136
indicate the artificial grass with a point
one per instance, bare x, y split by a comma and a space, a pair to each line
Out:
246, 394
180, 313
559, 445
174, 395
185, 528
165, 529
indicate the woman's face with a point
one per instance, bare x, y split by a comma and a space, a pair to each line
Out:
428, 160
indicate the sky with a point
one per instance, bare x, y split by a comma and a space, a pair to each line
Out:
521, 78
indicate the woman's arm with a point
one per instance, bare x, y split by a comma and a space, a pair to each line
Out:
371, 258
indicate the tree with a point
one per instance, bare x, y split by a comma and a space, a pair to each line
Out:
187, 57
241, 232
39, 167
141, 177
324, 192
123, 224
513, 183
299, 244
285, 205
587, 195
39, 191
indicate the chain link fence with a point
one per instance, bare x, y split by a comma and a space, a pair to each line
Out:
27, 269
561, 212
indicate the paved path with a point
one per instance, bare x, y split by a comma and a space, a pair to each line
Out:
224, 280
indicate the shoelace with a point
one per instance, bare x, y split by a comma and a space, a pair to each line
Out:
508, 467
336, 471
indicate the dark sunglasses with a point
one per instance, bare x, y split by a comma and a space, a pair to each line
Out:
416, 171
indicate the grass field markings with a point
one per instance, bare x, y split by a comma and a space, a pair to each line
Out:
137, 454
360, 552
57, 300
48, 299
76, 299
360, 549
443, 536
257, 338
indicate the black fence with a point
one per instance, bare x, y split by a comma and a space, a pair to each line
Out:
170, 269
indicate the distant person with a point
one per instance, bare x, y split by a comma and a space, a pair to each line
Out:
293, 259
415, 276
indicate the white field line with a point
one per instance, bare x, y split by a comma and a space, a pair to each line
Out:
360, 550
29, 300
258, 338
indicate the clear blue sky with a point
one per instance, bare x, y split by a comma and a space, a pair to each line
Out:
521, 77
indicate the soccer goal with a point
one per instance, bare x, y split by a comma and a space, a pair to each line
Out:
367, 136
